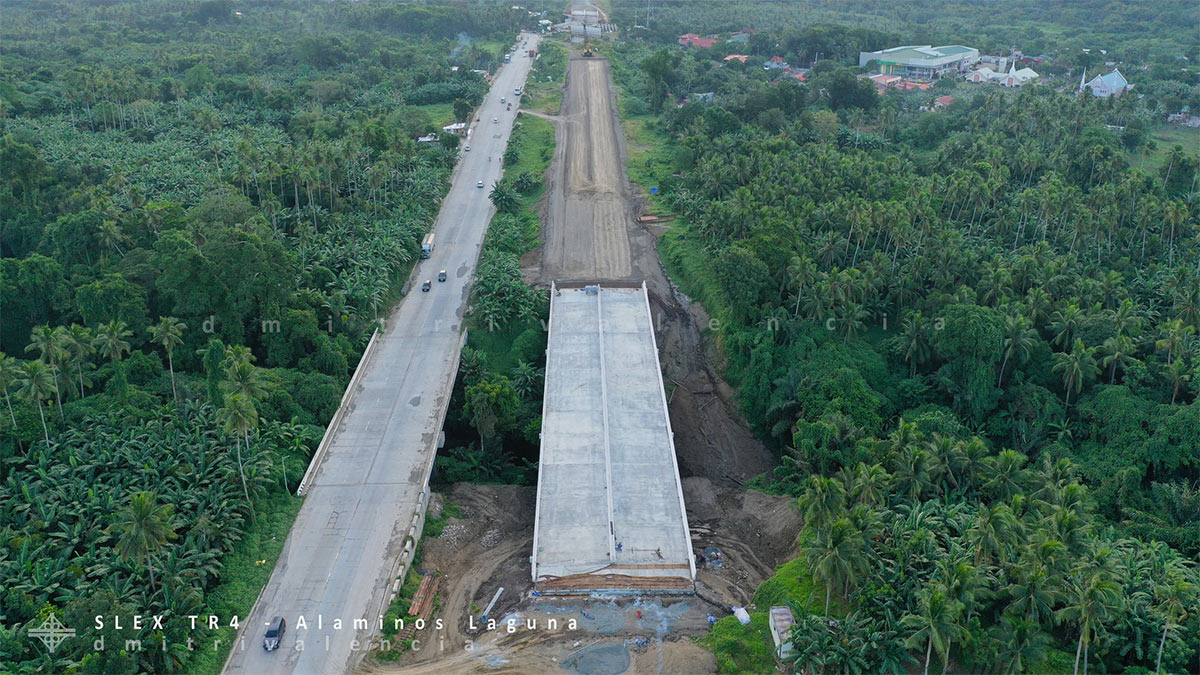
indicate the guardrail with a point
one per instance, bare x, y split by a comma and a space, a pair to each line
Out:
416, 525
336, 421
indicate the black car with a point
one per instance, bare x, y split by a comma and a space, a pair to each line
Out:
274, 633
442, 275
426, 286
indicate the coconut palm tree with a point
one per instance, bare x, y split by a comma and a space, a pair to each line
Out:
8, 374
81, 343
237, 418
49, 346
1023, 643
169, 333
111, 340
243, 378
835, 555
995, 532
1178, 373
1019, 340
1118, 351
1089, 602
936, 624
822, 501
36, 384
1174, 332
1175, 597
142, 527
1077, 366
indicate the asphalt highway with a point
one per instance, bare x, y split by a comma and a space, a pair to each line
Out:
338, 562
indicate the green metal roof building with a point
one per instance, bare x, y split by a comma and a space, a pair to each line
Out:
921, 61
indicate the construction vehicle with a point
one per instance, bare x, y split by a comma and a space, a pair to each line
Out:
587, 50
427, 246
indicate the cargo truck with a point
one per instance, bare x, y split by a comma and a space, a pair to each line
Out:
427, 246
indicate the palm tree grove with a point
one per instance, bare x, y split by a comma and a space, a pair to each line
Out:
923, 279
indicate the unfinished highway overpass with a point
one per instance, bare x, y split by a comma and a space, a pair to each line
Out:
610, 513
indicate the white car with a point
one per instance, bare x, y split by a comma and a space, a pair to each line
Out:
479, 184
516, 92
495, 120
466, 148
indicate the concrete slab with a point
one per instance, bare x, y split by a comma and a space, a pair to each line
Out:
609, 499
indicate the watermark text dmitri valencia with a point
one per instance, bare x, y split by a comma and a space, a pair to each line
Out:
770, 324
306, 632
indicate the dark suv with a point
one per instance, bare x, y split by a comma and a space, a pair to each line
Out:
274, 633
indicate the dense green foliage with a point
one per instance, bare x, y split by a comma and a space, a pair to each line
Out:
1136, 29
82, 537
971, 336
204, 207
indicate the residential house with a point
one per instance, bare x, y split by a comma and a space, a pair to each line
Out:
775, 63
942, 101
737, 57
1184, 118
742, 35
693, 40
882, 82
1104, 86
458, 128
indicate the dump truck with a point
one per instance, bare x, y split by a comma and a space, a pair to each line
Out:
427, 246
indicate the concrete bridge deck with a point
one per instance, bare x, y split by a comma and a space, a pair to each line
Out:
610, 512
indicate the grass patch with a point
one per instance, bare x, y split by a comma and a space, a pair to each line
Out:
749, 649
741, 649
440, 114
398, 610
543, 87
689, 266
434, 526
533, 139
793, 584
1165, 136
242, 578
649, 159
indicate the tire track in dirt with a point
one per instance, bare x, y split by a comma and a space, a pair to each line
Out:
588, 208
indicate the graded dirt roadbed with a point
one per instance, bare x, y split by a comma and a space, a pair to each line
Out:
588, 206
